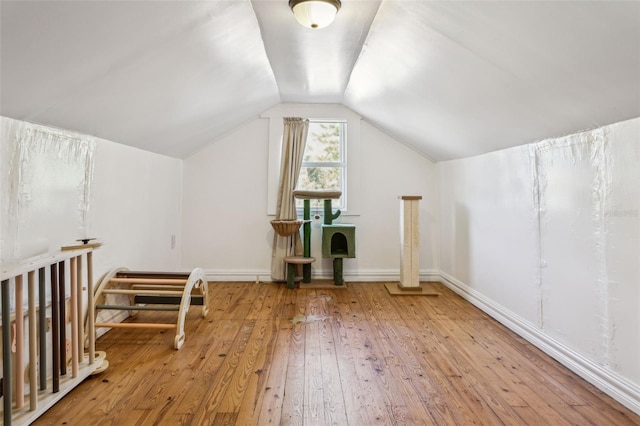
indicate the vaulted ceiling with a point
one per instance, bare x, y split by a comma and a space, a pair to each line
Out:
450, 78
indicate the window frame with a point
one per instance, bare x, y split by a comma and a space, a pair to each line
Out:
343, 164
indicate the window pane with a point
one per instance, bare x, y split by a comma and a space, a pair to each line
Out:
323, 165
320, 178
323, 142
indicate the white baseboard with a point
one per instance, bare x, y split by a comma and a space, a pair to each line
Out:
616, 386
354, 276
239, 275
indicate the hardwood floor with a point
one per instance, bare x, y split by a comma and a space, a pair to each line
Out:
354, 356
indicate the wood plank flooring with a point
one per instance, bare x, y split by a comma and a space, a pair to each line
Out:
355, 356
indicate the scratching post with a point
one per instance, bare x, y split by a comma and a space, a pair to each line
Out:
409, 250
306, 267
337, 271
307, 196
329, 215
338, 242
409, 242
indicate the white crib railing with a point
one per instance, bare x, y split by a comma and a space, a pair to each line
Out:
47, 325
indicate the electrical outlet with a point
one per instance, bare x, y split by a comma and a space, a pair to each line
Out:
47, 327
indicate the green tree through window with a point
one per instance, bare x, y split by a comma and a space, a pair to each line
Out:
323, 164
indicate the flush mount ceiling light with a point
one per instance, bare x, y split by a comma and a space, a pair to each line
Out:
315, 13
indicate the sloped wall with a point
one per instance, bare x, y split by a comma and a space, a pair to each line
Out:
133, 202
546, 237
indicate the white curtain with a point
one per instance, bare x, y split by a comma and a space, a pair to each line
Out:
294, 138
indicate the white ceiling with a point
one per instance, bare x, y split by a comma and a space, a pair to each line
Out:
449, 78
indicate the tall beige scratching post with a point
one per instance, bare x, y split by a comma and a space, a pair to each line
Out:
409, 242
409, 250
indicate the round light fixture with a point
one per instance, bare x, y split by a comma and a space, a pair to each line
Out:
315, 13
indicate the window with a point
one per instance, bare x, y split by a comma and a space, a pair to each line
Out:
326, 113
324, 163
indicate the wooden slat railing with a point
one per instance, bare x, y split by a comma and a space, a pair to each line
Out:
44, 388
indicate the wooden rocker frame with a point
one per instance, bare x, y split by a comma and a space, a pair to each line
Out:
153, 291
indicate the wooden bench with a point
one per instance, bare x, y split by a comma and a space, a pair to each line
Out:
291, 262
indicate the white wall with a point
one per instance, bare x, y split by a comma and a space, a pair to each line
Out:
546, 237
226, 227
134, 205
389, 170
136, 208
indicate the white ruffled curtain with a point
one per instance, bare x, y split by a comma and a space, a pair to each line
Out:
294, 139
